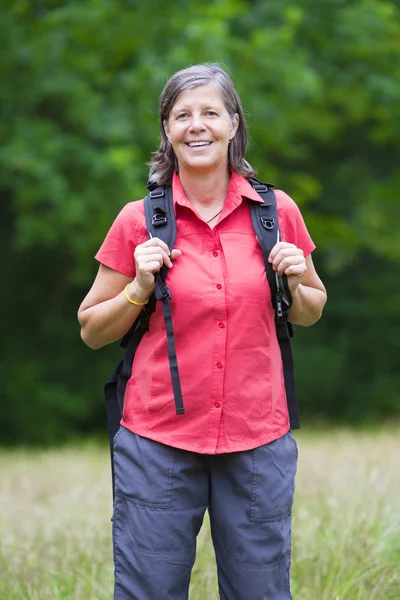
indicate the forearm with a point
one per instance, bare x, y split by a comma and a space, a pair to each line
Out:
110, 320
307, 306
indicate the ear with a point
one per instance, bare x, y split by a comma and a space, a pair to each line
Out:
166, 128
234, 127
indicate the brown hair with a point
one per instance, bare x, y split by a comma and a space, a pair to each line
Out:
163, 162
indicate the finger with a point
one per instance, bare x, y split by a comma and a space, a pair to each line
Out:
285, 253
289, 261
156, 242
148, 269
144, 261
175, 253
277, 248
288, 251
149, 250
297, 270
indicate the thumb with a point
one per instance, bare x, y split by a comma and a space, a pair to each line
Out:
175, 254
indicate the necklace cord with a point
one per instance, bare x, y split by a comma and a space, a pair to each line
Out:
218, 213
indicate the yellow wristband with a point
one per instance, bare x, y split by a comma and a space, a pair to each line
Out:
133, 301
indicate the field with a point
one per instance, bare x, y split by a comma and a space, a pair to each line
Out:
55, 530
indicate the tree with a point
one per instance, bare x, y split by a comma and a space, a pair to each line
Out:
319, 82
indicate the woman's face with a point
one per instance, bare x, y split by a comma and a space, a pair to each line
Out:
199, 128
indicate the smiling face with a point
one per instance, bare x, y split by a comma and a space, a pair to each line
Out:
199, 128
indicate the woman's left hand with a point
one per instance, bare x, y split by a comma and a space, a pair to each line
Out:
289, 260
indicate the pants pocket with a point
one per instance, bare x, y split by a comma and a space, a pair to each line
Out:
160, 498
274, 470
143, 470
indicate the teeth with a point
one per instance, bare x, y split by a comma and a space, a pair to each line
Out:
194, 144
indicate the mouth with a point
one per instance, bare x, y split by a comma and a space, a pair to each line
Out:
200, 144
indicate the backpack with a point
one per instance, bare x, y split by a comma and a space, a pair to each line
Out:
161, 223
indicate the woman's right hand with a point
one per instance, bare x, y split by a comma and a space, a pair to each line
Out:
149, 258
105, 315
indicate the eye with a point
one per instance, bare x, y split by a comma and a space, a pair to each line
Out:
182, 116
211, 113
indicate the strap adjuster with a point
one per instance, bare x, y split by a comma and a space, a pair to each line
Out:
260, 188
281, 316
162, 290
157, 193
159, 219
267, 222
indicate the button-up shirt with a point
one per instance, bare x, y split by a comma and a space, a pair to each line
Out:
229, 360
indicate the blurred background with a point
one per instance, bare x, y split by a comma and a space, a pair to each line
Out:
80, 82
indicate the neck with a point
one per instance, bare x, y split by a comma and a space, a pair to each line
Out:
206, 190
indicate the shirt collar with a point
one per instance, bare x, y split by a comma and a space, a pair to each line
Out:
239, 188
178, 193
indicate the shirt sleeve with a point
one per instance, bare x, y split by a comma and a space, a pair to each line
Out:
292, 225
119, 245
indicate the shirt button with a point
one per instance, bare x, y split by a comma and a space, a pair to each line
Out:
219, 365
219, 286
215, 253
217, 404
221, 325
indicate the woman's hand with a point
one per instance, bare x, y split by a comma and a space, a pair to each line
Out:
105, 315
149, 258
289, 260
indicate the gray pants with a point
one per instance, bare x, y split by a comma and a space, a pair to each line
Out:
162, 494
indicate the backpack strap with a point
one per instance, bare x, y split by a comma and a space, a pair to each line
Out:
266, 226
161, 223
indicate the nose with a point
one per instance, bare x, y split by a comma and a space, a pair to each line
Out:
196, 123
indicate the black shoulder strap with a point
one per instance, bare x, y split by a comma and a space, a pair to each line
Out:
266, 226
160, 214
161, 223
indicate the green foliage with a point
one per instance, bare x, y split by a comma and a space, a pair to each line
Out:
81, 81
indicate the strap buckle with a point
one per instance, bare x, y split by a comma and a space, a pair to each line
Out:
162, 290
260, 188
281, 316
157, 193
159, 219
267, 223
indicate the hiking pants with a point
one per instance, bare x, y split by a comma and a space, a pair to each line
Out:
161, 496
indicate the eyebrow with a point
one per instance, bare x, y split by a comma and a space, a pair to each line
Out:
185, 108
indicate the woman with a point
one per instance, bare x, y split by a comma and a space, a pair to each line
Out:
232, 451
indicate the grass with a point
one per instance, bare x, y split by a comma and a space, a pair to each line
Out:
55, 529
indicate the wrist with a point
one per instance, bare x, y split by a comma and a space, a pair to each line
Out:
295, 288
137, 293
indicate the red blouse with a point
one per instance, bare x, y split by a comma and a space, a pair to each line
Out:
228, 355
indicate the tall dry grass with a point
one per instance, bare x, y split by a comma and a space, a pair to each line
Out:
55, 529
